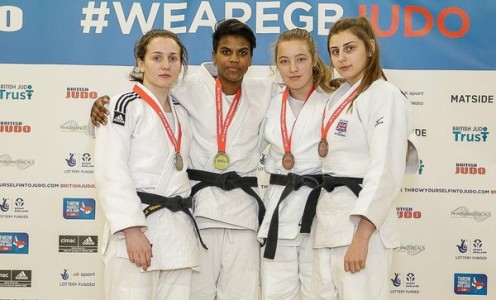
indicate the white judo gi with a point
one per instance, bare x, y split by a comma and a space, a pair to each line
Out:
228, 220
288, 275
133, 153
368, 142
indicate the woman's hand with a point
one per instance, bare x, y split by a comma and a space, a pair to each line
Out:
99, 112
139, 249
355, 257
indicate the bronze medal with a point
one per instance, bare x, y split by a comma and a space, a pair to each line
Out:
179, 161
323, 148
288, 161
221, 161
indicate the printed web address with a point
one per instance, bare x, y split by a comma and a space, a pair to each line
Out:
447, 191
47, 185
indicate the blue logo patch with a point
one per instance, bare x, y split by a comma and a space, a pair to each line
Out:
470, 284
14, 243
79, 208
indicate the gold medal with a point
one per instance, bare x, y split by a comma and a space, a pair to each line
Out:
221, 161
179, 161
323, 148
288, 161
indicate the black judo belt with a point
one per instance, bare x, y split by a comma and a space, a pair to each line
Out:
292, 182
174, 204
329, 183
227, 181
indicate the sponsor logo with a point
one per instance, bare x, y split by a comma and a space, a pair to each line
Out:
470, 284
469, 169
472, 98
78, 243
7, 161
421, 132
4, 205
65, 275
79, 208
15, 92
73, 126
79, 163
469, 134
15, 278
471, 250
13, 209
464, 212
421, 167
411, 250
119, 118
77, 278
14, 243
414, 97
80, 93
404, 284
14, 127
408, 213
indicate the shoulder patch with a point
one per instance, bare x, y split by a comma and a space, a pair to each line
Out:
121, 106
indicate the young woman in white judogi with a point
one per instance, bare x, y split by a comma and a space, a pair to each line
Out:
228, 219
226, 111
364, 144
144, 149
291, 127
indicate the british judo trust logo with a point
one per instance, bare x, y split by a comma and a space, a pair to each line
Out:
475, 134
16, 92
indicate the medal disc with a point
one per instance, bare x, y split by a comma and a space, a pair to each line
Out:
221, 161
288, 161
323, 148
179, 162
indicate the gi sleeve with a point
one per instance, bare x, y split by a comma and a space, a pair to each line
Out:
387, 119
116, 189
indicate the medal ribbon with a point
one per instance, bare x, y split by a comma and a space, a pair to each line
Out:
163, 118
335, 114
284, 129
223, 125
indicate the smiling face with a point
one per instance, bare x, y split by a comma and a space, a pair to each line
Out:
232, 58
295, 63
349, 55
161, 65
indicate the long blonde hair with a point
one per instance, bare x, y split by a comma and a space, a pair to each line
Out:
321, 72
